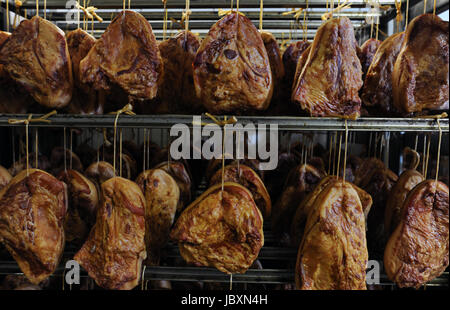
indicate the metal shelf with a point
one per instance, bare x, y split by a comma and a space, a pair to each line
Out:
284, 123
195, 274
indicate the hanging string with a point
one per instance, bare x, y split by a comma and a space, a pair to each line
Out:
128, 109
415, 144
36, 150
142, 278
335, 153
148, 148
120, 154
37, 7
45, 9
345, 152
407, 11
382, 141
70, 153
129, 4
339, 155
261, 7
427, 156
424, 154
186, 16
231, 282
434, 8
424, 6
398, 17
145, 150
339, 8
438, 152
13, 148
329, 157
65, 151
7, 15
124, 5
165, 19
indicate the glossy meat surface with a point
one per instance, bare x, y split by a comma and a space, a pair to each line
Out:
306, 205
32, 211
82, 206
406, 182
162, 197
115, 248
127, 56
417, 251
221, 229
183, 178
366, 54
420, 77
300, 181
85, 100
333, 253
274, 54
248, 178
331, 77
232, 69
100, 172
377, 89
290, 58
177, 88
36, 57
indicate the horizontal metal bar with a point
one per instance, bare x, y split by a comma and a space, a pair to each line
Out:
204, 274
193, 3
283, 123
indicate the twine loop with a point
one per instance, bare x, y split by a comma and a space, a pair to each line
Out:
339, 8
89, 12
27, 121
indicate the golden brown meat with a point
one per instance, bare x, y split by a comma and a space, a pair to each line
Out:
216, 164
378, 181
277, 68
406, 182
115, 248
100, 172
83, 203
85, 100
248, 178
177, 90
36, 57
5, 177
333, 253
32, 211
330, 79
126, 56
417, 251
231, 69
366, 54
306, 205
420, 77
290, 59
300, 181
377, 89
3, 37
162, 197
13, 98
221, 229
182, 176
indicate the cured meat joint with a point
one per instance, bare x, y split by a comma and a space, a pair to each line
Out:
201, 146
